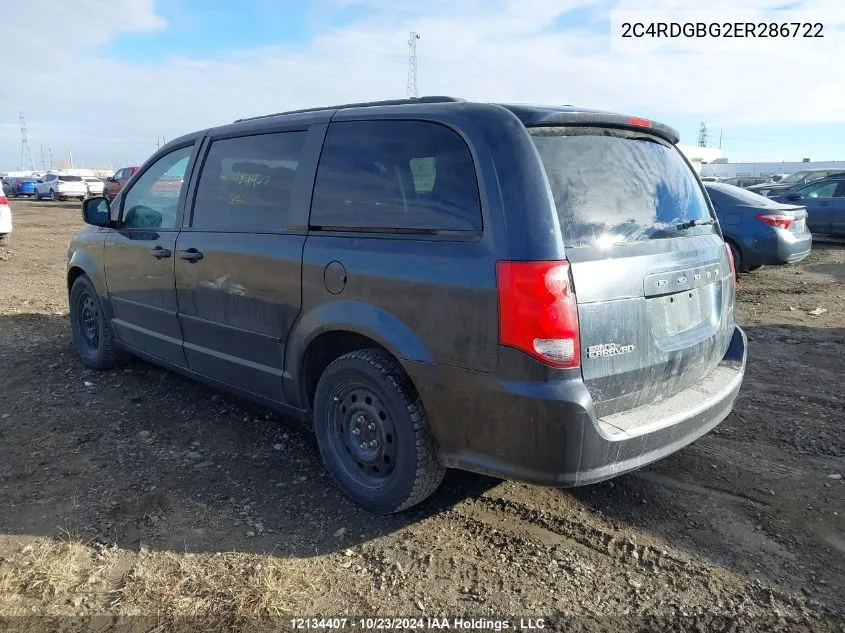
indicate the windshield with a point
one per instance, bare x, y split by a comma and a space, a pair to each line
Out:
798, 176
743, 196
612, 186
70, 178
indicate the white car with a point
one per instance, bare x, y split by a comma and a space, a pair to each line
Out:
5, 220
61, 187
95, 185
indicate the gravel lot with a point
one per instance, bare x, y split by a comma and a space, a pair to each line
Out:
136, 492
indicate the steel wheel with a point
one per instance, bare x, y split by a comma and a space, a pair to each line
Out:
88, 321
362, 434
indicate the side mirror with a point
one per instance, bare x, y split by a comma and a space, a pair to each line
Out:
96, 211
793, 196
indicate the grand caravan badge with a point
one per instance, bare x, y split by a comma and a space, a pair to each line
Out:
608, 349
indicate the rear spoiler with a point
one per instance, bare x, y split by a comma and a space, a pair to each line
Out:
604, 119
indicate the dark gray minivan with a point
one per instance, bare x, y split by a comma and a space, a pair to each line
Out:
538, 293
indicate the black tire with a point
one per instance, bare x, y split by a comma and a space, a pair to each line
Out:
91, 331
53, 196
4, 239
37, 195
368, 390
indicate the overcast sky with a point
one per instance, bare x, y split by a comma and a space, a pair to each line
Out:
108, 77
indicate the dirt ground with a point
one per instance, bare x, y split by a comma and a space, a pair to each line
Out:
139, 498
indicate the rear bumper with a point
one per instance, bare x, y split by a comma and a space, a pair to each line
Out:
776, 246
548, 433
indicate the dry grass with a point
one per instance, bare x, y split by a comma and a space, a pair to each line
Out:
45, 570
223, 590
176, 591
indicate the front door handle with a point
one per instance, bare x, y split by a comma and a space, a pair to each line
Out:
159, 252
823, 203
191, 255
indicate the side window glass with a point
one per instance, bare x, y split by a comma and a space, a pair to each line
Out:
247, 182
153, 200
395, 175
820, 190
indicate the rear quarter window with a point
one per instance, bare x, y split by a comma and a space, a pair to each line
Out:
395, 175
611, 186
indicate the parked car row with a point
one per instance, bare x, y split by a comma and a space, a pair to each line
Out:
62, 186
794, 180
776, 184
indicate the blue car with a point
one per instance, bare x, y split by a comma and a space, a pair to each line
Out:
22, 187
758, 230
824, 200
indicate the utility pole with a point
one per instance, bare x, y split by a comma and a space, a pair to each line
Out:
50, 150
720, 138
43, 164
26, 154
413, 93
702, 135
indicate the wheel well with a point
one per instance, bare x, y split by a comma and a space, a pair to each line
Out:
72, 275
324, 350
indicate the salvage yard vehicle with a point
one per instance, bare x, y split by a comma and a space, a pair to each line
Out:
793, 180
5, 220
758, 230
95, 185
537, 293
57, 186
115, 182
20, 187
824, 200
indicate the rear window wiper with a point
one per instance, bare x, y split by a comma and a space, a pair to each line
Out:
696, 222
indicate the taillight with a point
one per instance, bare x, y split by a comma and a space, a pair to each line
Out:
732, 264
777, 220
538, 313
3, 199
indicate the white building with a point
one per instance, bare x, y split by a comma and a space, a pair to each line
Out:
699, 156
729, 170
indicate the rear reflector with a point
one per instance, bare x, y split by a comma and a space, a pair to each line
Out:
638, 121
538, 312
777, 220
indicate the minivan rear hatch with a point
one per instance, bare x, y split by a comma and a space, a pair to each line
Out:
651, 273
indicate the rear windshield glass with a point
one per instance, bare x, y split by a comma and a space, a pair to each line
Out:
70, 178
612, 186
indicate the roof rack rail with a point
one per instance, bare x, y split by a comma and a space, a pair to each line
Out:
363, 104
